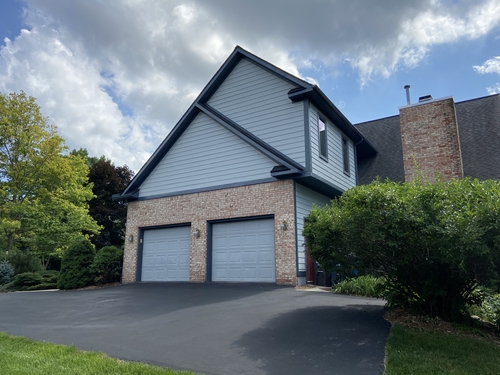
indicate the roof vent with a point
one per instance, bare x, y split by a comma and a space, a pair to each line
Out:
407, 88
426, 98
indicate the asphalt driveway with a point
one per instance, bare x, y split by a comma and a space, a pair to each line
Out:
210, 328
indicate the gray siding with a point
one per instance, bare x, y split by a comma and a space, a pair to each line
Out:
258, 101
206, 155
304, 200
332, 170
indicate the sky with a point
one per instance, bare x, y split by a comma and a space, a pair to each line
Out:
116, 76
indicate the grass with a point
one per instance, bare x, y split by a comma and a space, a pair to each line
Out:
418, 352
19, 355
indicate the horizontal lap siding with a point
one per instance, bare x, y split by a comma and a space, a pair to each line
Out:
304, 200
333, 169
206, 155
258, 101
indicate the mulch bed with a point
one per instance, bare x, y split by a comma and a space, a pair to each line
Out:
479, 330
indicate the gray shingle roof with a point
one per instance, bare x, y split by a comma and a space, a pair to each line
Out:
385, 135
479, 132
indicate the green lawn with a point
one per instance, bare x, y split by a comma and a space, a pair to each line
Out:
420, 352
19, 355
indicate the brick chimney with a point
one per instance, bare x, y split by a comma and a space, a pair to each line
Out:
429, 136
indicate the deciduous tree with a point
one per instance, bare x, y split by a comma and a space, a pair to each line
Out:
43, 193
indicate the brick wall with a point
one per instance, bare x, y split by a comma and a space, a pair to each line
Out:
430, 140
275, 198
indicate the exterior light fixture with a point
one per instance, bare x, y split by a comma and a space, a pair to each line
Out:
197, 233
284, 225
130, 238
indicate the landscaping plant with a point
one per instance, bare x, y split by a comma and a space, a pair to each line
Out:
75, 265
366, 285
40, 280
107, 265
6, 272
433, 244
23, 261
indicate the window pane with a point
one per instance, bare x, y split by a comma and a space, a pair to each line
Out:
322, 138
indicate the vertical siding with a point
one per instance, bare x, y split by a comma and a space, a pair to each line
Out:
258, 101
304, 199
206, 155
333, 169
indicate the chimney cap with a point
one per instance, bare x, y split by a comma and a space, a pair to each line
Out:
407, 86
425, 98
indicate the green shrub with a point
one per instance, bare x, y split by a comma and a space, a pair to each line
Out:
489, 310
34, 281
6, 272
23, 261
432, 243
368, 286
75, 265
107, 265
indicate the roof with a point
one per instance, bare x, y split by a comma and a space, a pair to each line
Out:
287, 168
479, 133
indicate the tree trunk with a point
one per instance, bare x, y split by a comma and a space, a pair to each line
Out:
10, 242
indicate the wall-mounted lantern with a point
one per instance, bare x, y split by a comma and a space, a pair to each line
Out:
284, 225
197, 233
130, 238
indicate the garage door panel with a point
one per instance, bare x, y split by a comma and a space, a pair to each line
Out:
243, 251
166, 254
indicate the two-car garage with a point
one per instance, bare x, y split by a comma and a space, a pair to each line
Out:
237, 251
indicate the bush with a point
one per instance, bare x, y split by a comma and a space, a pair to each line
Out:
432, 243
75, 265
34, 281
368, 286
107, 265
6, 272
23, 261
489, 310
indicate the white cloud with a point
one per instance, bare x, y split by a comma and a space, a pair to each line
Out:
490, 66
494, 89
116, 76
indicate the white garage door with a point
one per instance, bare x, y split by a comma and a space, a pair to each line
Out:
165, 254
244, 251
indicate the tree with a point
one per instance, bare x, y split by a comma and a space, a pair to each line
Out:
434, 244
75, 265
43, 193
111, 215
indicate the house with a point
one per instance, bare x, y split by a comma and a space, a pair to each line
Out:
453, 140
224, 196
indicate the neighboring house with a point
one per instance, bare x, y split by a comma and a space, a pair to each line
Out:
224, 196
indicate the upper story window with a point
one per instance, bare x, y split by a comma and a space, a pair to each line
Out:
345, 155
323, 149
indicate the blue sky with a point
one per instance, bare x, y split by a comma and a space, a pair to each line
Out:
115, 76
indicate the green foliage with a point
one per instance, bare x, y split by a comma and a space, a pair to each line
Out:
366, 285
34, 281
19, 355
421, 352
75, 265
107, 179
489, 309
432, 243
107, 265
43, 193
6, 272
23, 261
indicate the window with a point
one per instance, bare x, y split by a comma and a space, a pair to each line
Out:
323, 150
345, 155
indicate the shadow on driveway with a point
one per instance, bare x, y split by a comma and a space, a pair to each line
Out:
320, 340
